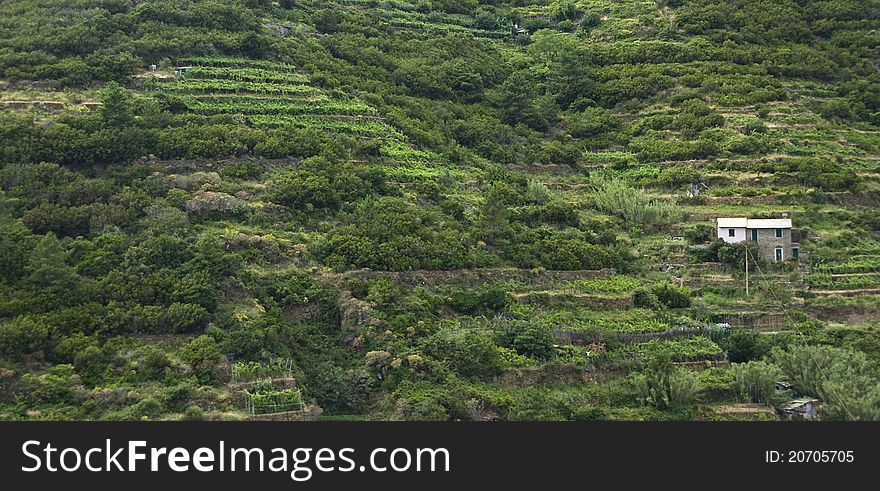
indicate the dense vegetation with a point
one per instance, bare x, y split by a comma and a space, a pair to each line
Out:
435, 209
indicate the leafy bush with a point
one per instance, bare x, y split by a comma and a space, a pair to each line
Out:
646, 299
845, 380
700, 233
527, 339
468, 353
743, 345
615, 197
193, 413
22, 336
183, 318
673, 296
755, 381
203, 356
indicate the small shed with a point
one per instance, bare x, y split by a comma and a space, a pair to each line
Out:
801, 409
784, 386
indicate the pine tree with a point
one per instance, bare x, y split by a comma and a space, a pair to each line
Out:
47, 266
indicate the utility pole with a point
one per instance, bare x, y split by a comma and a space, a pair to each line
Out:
747, 270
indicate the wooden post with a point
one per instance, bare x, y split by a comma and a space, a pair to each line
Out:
747, 270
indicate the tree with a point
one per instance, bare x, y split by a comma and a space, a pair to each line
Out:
755, 381
743, 345
468, 353
15, 247
845, 380
202, 355
22, 336
495, 223
48, 267
673, 296
528, 339
116, 107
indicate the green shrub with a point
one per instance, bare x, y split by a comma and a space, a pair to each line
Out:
743, 345
468, 353
615, 197
701, 233
22, 336
646, 299
755, 381
203, 356
152, 363
183, 318
673, 296
193, 413
527, 339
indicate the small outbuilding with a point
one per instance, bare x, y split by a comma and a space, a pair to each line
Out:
801, 409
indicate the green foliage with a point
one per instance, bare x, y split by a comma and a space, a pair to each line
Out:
193, 413
266, 401
253, 371
701, 233
646, 299
527, 339
661, 385
392, 234
195, 216
54, 386
153, 362
843, 379
115, 110
319, 183
673, 296
490, 298
755, 381
823, 174
615, 197
48, 267
203, 357
695, 116
743, 345
22, 336
732, 254
468, 353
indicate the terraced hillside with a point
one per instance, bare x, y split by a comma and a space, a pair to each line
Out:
435, 210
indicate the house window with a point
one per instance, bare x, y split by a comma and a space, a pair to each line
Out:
755, 234
778, 232
779, 254
731, 232
795, 253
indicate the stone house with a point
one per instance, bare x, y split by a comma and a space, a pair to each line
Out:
774, 236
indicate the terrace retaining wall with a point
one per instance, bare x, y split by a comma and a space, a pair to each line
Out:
479, 276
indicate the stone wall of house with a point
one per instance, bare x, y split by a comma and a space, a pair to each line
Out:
767, 243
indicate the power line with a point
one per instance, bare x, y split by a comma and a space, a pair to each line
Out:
803, 338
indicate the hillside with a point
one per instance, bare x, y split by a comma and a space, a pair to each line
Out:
444, 210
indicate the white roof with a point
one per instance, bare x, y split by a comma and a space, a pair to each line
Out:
754, 223
732, 222
769, 223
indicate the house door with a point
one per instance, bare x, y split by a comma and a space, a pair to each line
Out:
779, 254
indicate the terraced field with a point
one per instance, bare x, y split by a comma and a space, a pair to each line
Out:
433, 210
276, 95
271, 95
